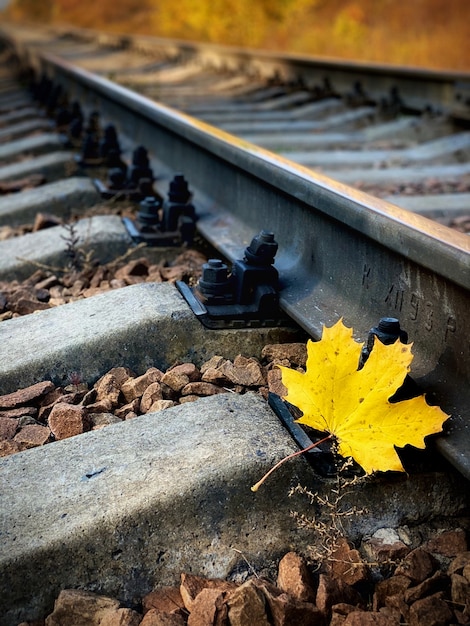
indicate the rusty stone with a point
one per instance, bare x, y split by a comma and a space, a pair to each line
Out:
189, 370
397, 604
133, 407
295, 353
331, 591
108, 387
167, 599
244, 371
150, 396
19, 412
80, 608
448, 543
175, 380
294, 578
201, 389
275, 383
192, 585
437, 582
247, 605
67, 420
160, 405
121, 617
9, 446
216, 362
135, 387
459, 563
45, 220
209, 609
160, 618
284, 609
8, 427
430, 611
460, 589
417, 565
26, 395
33, 435
100, 420
389, 587
346, 564
363, 618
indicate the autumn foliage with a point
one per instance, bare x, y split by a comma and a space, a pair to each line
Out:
432, 33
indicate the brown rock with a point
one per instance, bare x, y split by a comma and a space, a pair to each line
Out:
80, 608
104, 405
135, 387
189, 370
215, 376
209, 609
417, 565
460, 589
160, 405
459, 563
175, 380
8, 447
150, 395
286, 610
137, 267
382, 551
363, 618
247, 605
166, 599
33, 435
191, 398
430, 611
339, 612
201, 389
45, 220
100, 420
466, 572
108, 388
397, 604
346, 564
192, 585
131, 407
294, 578
216, 362
121, 617
389, 587
51, 398
8, 427
296, 353
244, 371
19, 412
26, 306
26, 395
275, 383
160, 618
437, 582
67, 420
331, 591
448, 543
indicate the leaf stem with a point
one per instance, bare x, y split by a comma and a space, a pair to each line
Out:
287, 458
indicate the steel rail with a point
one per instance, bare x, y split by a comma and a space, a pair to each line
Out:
342, 253
418, 88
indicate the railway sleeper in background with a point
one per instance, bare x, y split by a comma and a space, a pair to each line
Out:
248, 296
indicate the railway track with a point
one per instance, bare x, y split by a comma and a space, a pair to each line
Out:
363, 258
340, 252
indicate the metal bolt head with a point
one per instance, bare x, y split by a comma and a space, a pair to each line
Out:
262, 249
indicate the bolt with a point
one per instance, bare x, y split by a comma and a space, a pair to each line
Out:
388, 330
214, 280
179, 191
148, 214
262, 249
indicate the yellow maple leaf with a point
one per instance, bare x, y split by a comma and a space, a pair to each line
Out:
352, 405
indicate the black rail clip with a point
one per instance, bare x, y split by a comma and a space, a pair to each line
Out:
165, 223
248, 297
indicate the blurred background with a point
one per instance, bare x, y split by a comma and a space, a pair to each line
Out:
429, 33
